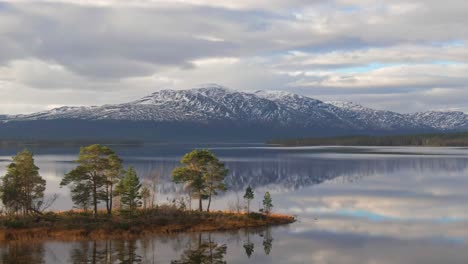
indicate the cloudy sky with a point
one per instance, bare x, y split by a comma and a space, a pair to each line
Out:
388, 54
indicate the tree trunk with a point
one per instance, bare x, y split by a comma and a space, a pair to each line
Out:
200, 204
111, 198
94, 261
95, 196
209, 203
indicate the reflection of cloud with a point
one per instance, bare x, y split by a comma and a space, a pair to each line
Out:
399, 196
391, 228
352, 208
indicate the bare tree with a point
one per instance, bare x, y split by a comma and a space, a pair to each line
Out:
154, 178
45, 203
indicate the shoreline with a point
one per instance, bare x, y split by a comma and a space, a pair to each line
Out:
454, 139
116, 227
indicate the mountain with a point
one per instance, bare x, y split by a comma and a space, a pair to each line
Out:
213, 112
371, 119
442, 120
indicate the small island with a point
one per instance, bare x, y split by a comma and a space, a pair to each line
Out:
72, 225
112, 202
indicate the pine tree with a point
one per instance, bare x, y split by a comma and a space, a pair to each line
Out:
22, 188
267, 203
81, 196
249, 196
89, 179
129, 191
203, 175
214, 178
113, 175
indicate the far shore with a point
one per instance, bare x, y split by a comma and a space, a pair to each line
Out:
75, 226
419, 140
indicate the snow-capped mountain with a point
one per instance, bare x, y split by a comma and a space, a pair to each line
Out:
269, 113
370, 118
443, 120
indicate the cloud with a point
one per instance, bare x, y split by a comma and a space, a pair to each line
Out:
374, 50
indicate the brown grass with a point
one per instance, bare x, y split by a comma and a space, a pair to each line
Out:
78, 225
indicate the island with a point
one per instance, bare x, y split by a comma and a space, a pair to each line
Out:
73, 225
110, 201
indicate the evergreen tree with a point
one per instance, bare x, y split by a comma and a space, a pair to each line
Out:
113, 175
203, 175
22, 188
214, 178
249, 196
89, 179
129, 191
81, 195
267, 203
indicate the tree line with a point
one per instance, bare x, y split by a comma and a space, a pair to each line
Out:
100, 178
440, 139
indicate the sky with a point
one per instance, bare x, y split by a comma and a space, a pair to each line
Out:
405, 56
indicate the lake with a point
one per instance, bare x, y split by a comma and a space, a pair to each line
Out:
354, 205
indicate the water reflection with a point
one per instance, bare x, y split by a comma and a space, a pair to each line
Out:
371, 208
111, 251
267, 243
206, 251
22, 253
197, 248
282, 170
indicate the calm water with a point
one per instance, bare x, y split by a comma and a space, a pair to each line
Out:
355, 205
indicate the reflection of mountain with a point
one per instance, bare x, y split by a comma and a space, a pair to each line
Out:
296, 171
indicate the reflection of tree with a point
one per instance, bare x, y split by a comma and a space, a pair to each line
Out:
105, 252
126, 252
148, 250
89, 252
267, 241
206, 252
249, 246
22, 253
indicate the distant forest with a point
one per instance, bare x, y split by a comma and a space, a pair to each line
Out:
64, 143
436, 140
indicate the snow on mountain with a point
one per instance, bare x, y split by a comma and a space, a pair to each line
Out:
311, 111
215, 103
371, 118
443, 120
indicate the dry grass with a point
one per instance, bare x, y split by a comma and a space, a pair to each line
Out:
73, 225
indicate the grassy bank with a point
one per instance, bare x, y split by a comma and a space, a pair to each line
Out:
429, 140
77, 225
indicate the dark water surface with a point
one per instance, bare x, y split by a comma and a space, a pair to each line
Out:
355, 205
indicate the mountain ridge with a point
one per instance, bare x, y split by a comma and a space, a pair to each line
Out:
214, 105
